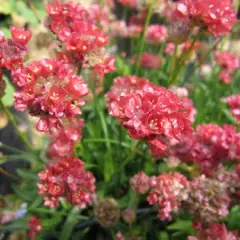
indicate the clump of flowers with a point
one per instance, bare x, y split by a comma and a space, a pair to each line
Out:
228, 63
215, 231
234, 103
67, 178
156, 34
80, 39
151, 61
14, 50
50, 90
150, 112
207, 146
217, 17
35, 226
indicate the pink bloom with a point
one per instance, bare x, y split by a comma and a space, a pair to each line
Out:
140, 183
156, 34
217, 16
35, 226
234, 103
149, 60
129, 3
50, 90
66, 178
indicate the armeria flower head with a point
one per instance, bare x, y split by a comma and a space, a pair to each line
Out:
66, 178
207, 200
35, 226
215, 231
149, 60
129, 3
50, 90
208, 146
150, 112
78, 35
234, 103
216, 16
140, 183
167, 192
63, 139
14, 50
156, 34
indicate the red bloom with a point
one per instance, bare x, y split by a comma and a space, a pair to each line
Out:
148, 111
217, 16
140, 183
234, 103
35, 226
67, 178
156, 34
13, 51
129, 3
149, 60
51, 91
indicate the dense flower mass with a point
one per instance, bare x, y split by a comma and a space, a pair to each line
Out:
234, 103
228, 63
216, 16
63, 139
148, 112
149, 60
215, 231
208, 146
35, 226
81, 40
14, 50
50, 90
156, 34
67, 178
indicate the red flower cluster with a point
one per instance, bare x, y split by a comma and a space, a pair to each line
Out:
35, 226
13, 50
234, 103
149, 60
64, 138
216, 16
67, 178
50, 90
208, 146
215, 231
129, 3
166, 190
81, 40
148, 112
156, 34
229, 63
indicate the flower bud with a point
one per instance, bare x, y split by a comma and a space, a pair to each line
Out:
178, 32
129, 215
107, 212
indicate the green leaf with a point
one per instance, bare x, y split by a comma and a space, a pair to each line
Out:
9, 91
27, 174
69, 225
5, 8
183, 225
234, 218
25, 11
18, 225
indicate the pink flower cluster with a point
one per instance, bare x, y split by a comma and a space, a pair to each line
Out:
35, 226
156, 34
129, 3
82, 42
63, 139
209, 145
67, 178
148, 112
215, 231
50, 90
215, 16
149, 60
228, 63
166, 190
13, 50
207, 199
234, 103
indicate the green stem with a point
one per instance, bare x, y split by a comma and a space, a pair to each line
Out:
21, 134
174, 60
131, 155
142, 42
182, 60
